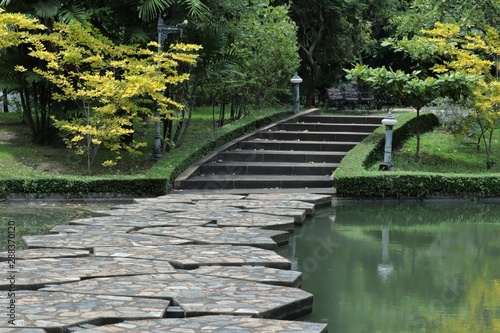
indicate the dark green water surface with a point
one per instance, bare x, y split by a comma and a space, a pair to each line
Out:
38, 219
402, 267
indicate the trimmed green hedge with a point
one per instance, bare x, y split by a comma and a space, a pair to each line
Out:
71, 186
155, 182
353, 179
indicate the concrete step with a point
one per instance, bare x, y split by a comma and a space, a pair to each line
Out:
297, 153
325, 127
279, 156
259, 144
342, 119
262, 168
312, 136
255, 181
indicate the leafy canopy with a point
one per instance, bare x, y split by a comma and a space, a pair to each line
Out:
113, 85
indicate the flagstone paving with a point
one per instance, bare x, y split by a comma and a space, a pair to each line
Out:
35, 273
22, 330
140, 221
280, 277
212, 324
201, 295
53, 311
266, 239
192, 255
241, 219
46, 253
320, 200
309, 207
91, 241
90, 229
299, 215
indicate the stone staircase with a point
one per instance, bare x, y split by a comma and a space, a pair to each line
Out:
297, 153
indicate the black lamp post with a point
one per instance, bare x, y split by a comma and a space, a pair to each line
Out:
163, 32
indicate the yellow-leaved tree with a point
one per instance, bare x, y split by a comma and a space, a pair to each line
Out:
477, 53
114, 86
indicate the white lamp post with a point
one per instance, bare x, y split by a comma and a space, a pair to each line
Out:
296, 81
163, 31
389, 121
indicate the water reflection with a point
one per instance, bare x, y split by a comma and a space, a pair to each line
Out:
401, 267
38, 219
385, 268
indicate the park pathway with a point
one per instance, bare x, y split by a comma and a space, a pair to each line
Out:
300, 152
184, 262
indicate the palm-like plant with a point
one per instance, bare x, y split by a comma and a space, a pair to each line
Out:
150, 9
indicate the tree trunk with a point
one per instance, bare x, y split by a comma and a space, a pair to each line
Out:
308, 49
311, 88
5, 99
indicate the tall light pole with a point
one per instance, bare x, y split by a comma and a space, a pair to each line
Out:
389, 121
163, 32
296, 81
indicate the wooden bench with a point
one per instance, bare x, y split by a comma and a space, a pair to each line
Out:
348, 95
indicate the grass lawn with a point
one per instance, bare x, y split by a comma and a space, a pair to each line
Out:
442, 152
19, 157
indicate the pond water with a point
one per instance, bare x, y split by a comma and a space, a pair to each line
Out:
402, 267
373, 267
38, 219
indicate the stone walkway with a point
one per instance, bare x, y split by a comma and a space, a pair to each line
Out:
183, 262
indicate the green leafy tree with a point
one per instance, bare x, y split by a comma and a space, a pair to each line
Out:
249, 53
418, 15
264, 38
412, 89
333, 34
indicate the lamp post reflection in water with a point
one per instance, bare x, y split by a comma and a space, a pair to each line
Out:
385, 268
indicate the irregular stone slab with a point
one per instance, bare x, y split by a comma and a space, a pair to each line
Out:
21, 330
242, 219
90, 241
201, 295
45, 253
278, 277
194, 256
320, 200
212, 324
136, 211
55, 312
193, 197
90, 229
140, 221
35, 273
159, 206
266, 239
309, 207
299, 215
211, 204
